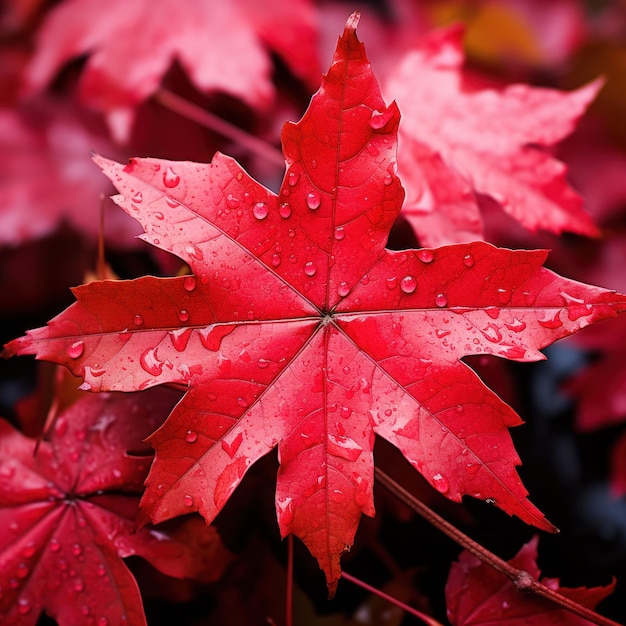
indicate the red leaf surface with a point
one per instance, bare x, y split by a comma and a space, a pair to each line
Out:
45, 178
458, 140
68, 516
133, 43
299, 329
476, 594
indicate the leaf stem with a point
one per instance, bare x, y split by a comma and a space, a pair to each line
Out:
381, 594
289, 589
522, 580
213, 122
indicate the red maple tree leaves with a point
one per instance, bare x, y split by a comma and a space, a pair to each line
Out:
461, 140
299, 330
133, 44
69, 512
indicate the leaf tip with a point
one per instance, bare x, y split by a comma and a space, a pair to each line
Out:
352, 23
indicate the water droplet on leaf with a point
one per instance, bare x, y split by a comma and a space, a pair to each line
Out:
189, 284
408, 284
441, 300
76, 349
170, 178
188, 500
425, 255
441, 484
313, 200
344, 289
310, 269
284, 210
191, 436
260, 210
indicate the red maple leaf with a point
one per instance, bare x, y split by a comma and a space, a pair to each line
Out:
299, 329
132, 44
459, 141
476, 594
68, 516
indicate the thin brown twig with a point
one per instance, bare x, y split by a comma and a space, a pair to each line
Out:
381, 594
520, 578
215, 123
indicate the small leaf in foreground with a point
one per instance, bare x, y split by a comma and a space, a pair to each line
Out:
299, 330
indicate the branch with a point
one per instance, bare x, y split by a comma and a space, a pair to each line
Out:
520, 578
215, 123
429, 621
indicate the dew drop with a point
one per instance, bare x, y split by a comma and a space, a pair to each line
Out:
183, 315
340, 233
392, 282
293, 178
150, 362
77, 550
504, 296
189, 284
138, 197
549, 319
388, 180
263, 363
23, 606
276, 260
441, 300
78, 585
231, 447
492, 333
188, 500
231, 201
468, 260
441, 484
313, 200
425, 255
191, 436
242, 402
408, 284
54, 545
194, 252
103, 621
517, 325
138, 320
284, 210
76, 349
260, 210
310, 269
345, 412
314, 164
158, 215
170, 178
343, 289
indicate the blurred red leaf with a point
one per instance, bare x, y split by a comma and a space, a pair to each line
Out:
459, 139
46, 177
132, 44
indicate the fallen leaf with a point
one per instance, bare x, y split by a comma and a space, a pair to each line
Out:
299, 329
